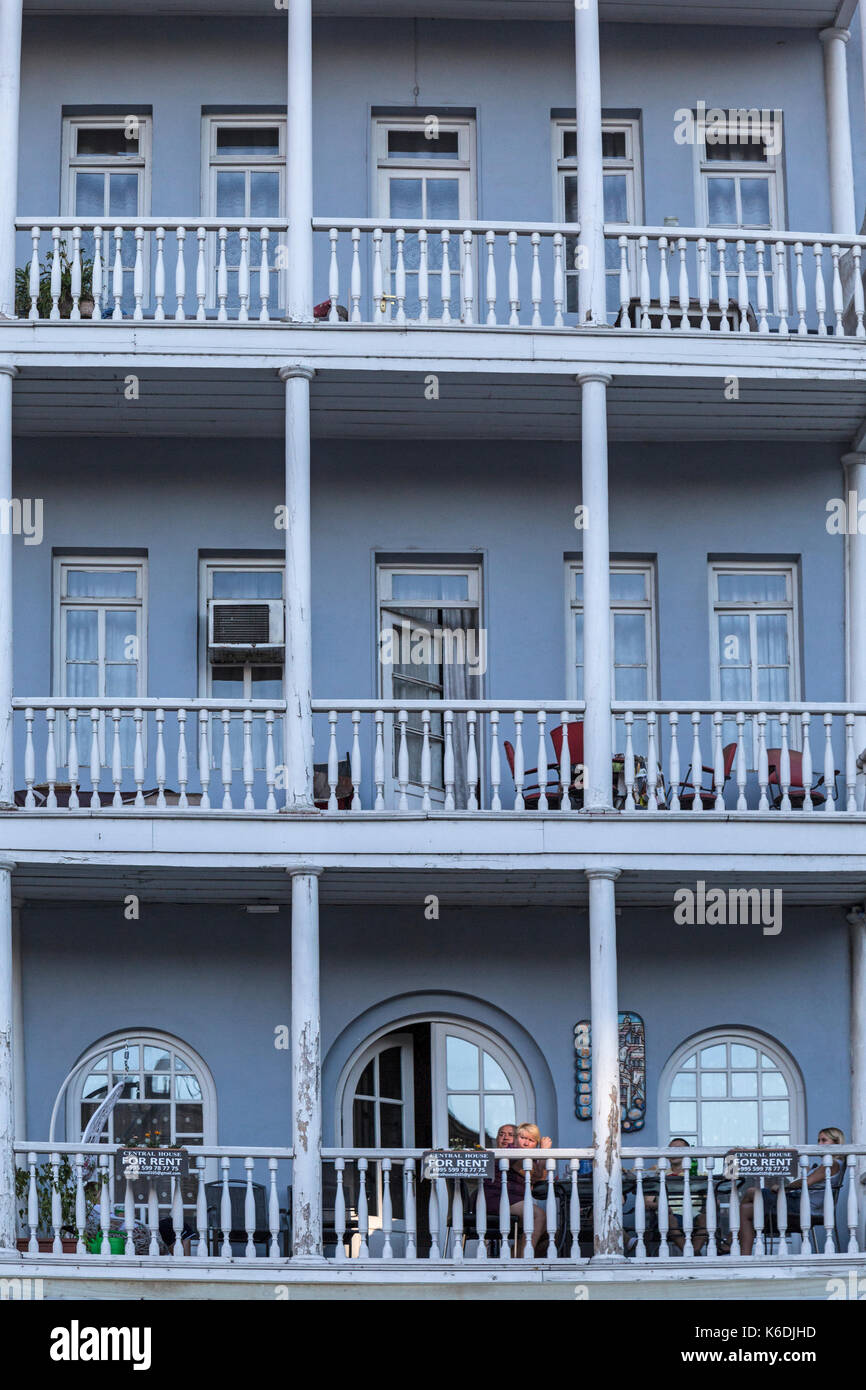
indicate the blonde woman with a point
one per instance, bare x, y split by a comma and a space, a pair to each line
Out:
529, 1136
815, 1182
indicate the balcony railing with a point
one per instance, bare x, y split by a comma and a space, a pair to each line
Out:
464, 273
76, 1201
440, 757
378, 1206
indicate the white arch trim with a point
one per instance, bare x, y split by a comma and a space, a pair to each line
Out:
483, 1036
148, 1036
750, 1037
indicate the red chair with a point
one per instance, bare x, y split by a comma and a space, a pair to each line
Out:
706, 793
531, 790
796, 791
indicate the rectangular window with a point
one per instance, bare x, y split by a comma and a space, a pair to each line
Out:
754, 632
740, 188
633, 638
100, 634
622, 195
245, 180
106, 179
425, 172
431, 648
233, 673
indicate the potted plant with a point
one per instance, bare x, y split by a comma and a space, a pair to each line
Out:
45, 1187
64, 302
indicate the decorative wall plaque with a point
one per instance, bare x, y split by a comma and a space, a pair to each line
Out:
632, 1071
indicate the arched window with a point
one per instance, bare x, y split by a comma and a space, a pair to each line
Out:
731, 1087
166, 1087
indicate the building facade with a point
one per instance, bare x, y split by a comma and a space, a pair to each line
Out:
432, 639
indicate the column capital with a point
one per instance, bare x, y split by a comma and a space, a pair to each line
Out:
612, 874
603, 377
7, 369
294, 369
834, 32
305, 870
854, 457
8, 865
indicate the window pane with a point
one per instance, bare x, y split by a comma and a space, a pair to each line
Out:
714, 1083
734, 150
390, 1073
101, 583
744, 1083
105, 140
118, 1056
267, 682
734, 640
189, 1119
123, 195
463, 1116
82, 635
461, 1063
121, 629
406, 199
89, 195
755, 199
714, 1056
615, 200
82, 680
578, 585
237, 140
630, 683
443, 199
776, 1116
613, 144
772, 639
231, 193
690, 1061
684, 1116
629, 639
156, 1059
367, 1080
415, 144
187, 1087
122, 680
732, 1123
683, 1084
773, 686
264, 194
773, 1084
498, 1110
95, 1086
494, 1077
627, 585
447, 588
363, 1124
391, 1125
722, 202
157, 1087
752, 588
742, 1056
570, 207
247, 584
569, 144
227, 681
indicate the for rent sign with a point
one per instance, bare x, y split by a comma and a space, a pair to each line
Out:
761, 1163
457, 1163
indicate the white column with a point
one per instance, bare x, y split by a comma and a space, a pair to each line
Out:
604, 1017
590, 176
7, 777
306, 1066
299, 139
855, 616
10, 102
7, 1111
298, 678
18, 1091
857, 938
597, 662
842, 208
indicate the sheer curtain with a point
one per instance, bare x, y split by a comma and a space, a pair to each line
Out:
460, 683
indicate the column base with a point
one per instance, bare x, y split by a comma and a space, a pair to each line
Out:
309, 1261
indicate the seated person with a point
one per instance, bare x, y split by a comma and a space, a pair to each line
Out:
815, 1182
529, 1137
675, 1198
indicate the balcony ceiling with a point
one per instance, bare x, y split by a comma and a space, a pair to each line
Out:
250, 403
798, 13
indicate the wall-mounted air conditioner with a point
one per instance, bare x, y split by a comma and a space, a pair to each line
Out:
235, 628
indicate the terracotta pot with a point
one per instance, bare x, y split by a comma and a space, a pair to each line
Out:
46, 1244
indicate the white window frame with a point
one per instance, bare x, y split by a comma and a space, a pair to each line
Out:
772, 168
72, 164
212, 162
384, 167
782, 1062
789, 606
647, 606
63, 563
630, 165
384, 598
207, 569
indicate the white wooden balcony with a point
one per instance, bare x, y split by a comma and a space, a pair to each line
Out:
477, 759
503, 275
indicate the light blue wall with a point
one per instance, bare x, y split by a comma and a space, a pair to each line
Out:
220, 980
512, 75
511, 503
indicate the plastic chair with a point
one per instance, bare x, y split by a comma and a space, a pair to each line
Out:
796, 790
707, 794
